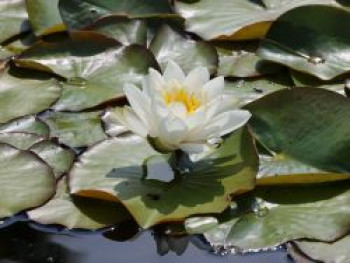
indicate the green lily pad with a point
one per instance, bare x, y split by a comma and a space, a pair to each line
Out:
20, 140
310, 39
114, 170
318, 211
27, 124
188, 54
44, 16
25, 181
76, 129
96, 67
78, 213
337, 252
59, 158
248, 90
304, 80
111, 124
32, 95
13, 15
235, 19
299, 124
81, 13
240, 60
124, 30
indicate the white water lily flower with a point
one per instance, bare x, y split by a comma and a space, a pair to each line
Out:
181, 112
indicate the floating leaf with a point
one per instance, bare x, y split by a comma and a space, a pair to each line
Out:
70, 212
20, 140
299, 125
240, 60
13, 16
310, 39
122, 29
114, 170
44, 16
287, 213
188, 54
81, 13
235, 19
59, 158
248, 90
28, 124
25, 181
337, 252
32, 95
76, 129
96, 67
111, 124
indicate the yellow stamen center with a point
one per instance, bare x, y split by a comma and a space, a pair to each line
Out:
180, 95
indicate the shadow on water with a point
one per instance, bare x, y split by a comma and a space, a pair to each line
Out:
20, 243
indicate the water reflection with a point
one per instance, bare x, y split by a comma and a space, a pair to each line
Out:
20, 243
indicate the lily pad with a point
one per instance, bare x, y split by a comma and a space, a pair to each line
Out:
240, 60
76, 129
72, 213
44, 16
320, 211
114, 170
299, 124
32, 95
13, 16
20, 140
25, 181
248, 90
188, 54
27, 124
81, 13
310, 39
96, 67
59, 158
124, 30
235, 19
337, 252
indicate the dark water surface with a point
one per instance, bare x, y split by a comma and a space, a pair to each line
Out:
20, 243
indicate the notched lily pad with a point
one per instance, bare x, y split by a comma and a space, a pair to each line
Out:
25, 181
81, 13
235, 19
187, 53
20, 140
32, 95
310, 39
305, 125
114, 170
59, 158
77, 213
96, 67
27, 124
76, 129
320, 211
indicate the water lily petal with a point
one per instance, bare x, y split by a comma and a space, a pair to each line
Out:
154, 82
129, 119
214, 87
172, 130
139, 102
196, 79
173, 72
225, 123
194, 147
178, 109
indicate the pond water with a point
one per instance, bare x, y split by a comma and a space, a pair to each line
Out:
22, 243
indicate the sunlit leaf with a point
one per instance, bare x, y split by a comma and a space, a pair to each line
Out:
27, 124
76, 129
188, 54
114, 170
64, 210
235, 19
20, 140
25, 181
